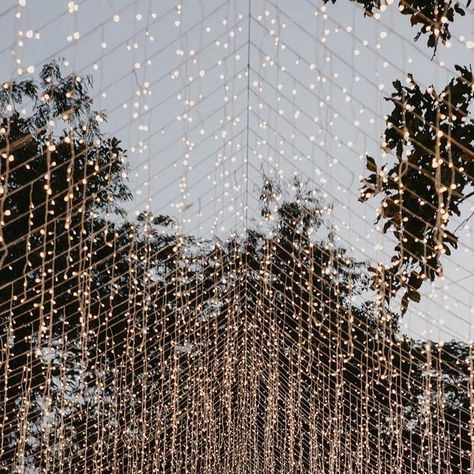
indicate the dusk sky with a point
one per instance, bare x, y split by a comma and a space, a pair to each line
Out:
174, 81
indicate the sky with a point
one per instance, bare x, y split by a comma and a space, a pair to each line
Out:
208, 96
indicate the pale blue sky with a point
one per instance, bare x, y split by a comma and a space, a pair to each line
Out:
316, 106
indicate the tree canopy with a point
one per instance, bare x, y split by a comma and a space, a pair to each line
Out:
129, 347
429, 135
434, 16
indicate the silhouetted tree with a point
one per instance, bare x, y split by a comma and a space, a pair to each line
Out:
431, 137
117, 336
434, 16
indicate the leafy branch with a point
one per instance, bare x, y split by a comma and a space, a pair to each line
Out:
434, 16
431, 138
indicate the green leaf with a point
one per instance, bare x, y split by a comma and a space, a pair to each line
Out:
414, 295
371, 165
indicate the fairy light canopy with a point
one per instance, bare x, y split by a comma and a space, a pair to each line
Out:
236, 236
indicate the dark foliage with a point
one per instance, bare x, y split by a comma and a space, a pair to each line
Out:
431, 137
57, 171
126, 328
434, 16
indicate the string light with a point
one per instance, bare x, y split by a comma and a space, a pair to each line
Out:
218, 319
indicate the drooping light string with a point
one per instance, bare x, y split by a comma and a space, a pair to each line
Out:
133, 343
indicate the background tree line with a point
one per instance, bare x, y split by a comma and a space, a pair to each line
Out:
120, 340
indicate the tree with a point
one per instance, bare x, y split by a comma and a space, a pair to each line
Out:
61, 179
434, 16
430, 137
129, 347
